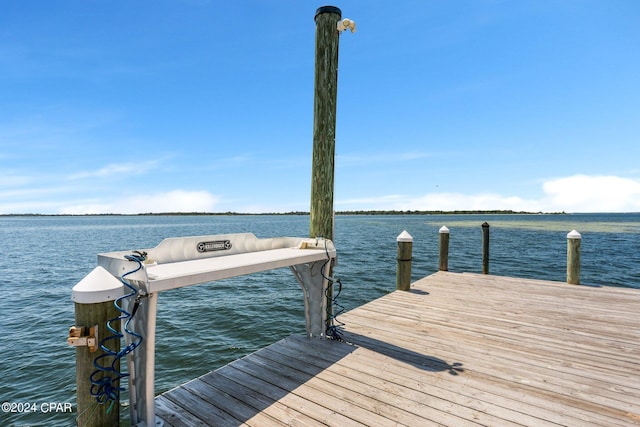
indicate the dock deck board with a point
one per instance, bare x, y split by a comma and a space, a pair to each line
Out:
458, 349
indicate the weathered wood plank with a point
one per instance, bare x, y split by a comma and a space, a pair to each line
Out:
536, 380
317, 407
280, 414
477, 346
373, 405
486, 344
198, 410
175, 415
226, 403
458, 349
565, 344
428, 406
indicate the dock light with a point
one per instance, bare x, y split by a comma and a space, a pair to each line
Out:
345, 24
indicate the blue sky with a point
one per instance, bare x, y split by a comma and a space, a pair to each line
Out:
196, 105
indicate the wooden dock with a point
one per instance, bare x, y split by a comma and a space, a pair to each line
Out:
458, 349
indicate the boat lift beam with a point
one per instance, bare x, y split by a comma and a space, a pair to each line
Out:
185, 261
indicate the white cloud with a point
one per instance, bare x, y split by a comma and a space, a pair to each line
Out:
442, 202
584, 193
578, 193
171, 201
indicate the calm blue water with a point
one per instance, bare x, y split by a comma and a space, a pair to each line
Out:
203, 327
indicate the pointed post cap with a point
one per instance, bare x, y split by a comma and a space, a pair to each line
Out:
97, 286
404, 237
443, 230
574, 235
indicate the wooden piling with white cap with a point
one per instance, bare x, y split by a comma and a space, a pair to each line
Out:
443, 239
574, 240
404, 257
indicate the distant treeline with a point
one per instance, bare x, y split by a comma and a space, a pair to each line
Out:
461, 212
359, 212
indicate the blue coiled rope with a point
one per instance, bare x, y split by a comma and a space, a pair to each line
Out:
334, 309
106, 377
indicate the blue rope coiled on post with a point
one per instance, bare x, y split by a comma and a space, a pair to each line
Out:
334, 309
106, 378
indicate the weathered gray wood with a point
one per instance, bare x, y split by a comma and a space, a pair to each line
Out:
90, 412
279, 414
324, 130
370, 390
176, 415
457, 349
324, 122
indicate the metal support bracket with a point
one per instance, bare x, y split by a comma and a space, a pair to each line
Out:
312, 278
80, 337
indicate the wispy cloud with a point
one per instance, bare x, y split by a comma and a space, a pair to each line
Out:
118, 169
170, 201
29, 206
351, 160
390, 199
9, 179
40, 199
34, 192
43, 125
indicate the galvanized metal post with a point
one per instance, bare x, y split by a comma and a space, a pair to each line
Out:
574, 240
443, 238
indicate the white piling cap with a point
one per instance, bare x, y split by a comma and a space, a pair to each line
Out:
443, 229
574, 235
404, 237
97, 286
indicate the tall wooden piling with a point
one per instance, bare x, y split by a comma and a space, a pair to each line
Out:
485, 248
325, 94
324, 121
404, 258
574, 240
89, 411
443, 240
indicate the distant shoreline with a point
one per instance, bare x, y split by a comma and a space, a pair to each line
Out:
341, 213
